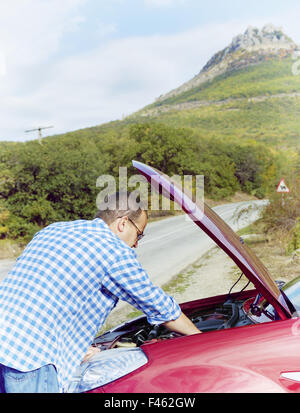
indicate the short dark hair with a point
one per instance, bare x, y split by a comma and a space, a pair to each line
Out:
118, 205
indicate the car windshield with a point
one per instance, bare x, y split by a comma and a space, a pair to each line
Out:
292, 291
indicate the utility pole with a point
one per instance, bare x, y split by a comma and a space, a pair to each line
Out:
39, 131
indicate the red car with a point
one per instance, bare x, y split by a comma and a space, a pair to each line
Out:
250, 341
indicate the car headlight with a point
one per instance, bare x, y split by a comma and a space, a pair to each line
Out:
104, 367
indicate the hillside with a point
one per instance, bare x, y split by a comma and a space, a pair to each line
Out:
236, 123
252, 47
249, 90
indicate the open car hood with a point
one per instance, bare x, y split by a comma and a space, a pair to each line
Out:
222, 234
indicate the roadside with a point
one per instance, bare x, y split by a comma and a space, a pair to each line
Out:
10, 249
280, 265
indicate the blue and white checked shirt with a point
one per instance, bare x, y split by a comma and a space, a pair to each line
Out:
61, 290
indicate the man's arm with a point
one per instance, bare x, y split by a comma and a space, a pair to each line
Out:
128, 281
182, 325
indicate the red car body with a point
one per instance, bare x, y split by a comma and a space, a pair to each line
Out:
250, 340
250, 359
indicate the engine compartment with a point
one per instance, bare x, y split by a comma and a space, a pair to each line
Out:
217, 316
215, 313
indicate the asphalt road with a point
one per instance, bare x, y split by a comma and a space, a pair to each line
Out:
173, 243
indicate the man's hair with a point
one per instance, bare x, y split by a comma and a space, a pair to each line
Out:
118, 205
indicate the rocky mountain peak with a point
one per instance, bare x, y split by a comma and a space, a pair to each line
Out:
269, 36
251, 47
268, 39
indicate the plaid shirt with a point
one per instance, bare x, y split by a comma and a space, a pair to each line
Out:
61, 290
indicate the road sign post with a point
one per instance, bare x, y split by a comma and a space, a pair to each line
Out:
282, 188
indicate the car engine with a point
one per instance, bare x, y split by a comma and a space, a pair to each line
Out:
138, 331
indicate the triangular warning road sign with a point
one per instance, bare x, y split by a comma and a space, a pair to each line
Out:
282, 186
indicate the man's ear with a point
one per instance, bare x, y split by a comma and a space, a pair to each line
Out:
121, 223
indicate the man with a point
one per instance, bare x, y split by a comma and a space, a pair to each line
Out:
61, 290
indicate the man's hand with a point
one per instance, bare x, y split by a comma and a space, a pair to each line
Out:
90, 353
182, 325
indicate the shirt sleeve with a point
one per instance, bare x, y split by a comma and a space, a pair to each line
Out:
127, 280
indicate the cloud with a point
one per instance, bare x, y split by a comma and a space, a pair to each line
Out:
2, 64
31, 33
113, 80
31, 30
40, 86
106, 29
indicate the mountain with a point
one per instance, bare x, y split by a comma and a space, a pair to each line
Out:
236, 123
248, 91
250, 48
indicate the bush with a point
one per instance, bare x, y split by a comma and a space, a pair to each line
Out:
4, 215
283, 212
294, 242
20, 228
56, 181
3, 231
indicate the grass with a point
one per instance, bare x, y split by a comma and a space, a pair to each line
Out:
273, 121
272, 77
271, 250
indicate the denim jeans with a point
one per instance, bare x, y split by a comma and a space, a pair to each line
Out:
42, 380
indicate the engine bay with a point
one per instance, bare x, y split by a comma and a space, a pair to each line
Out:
208, 314
137, 332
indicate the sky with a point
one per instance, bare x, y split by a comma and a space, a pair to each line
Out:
73, 64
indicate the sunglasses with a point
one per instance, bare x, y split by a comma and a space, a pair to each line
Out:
140, 234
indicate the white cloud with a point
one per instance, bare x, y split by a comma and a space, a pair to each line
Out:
30, 30
115, 79
105, 29
2, 64
118, 77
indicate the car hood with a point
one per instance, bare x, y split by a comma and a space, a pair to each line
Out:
222, 234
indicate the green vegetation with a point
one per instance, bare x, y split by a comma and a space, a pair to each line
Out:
263, 105
268, 78
273, 121
281, 217
48, 182
241, 145
57, 180
280, 221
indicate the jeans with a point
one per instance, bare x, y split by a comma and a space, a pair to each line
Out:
42, 380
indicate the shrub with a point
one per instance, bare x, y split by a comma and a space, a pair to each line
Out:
282, 214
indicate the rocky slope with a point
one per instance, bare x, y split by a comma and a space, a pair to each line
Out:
252, 47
